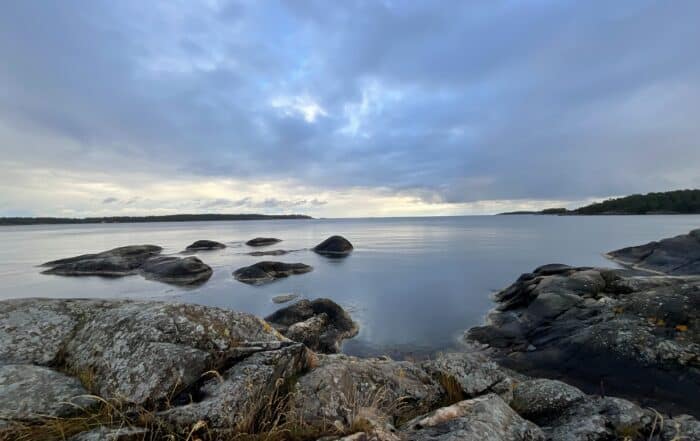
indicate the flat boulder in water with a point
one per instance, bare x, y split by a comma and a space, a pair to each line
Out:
205, 245
334, 246
266, 271
676, 256
116, 262
320, 324
262, 241
176, 270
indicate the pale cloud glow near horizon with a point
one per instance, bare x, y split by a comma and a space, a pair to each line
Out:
343, 109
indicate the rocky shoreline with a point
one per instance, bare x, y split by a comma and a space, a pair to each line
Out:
125, 370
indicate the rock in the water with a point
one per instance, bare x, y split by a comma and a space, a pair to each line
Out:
284, 298
30, 392
640, 334
117, 262
268, 253
334, 246
320, 324
262, 241
334, 392
176, 270
486, 418
678, 255
205, 245
265, 272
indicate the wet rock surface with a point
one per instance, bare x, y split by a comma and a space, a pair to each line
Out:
117, 262
334, 246
176, 270
267, 271
678, 255
636, 336
205, 245
284, 298
262, 241
320, 324
269, 253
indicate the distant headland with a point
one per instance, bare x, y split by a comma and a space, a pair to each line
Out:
669, 202
134, 219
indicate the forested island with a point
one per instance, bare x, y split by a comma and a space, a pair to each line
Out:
133, 219
669, 202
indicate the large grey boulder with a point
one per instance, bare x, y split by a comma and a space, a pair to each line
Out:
231, 400
117, 262
176, 270
678, 255
541, 400
29, 392
267, 271
113, 434
467, 374
340, 386
320, 324
486, 418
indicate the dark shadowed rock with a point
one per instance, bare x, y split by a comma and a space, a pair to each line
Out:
639, 335
334, 246
265, 272
205, 245
320, 324
176, 270
678, 255
117, 262
262, 241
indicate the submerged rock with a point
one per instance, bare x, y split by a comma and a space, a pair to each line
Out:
284, 298
262, 241
320, 324
334, 246
117, 262
634, 336
678, 255
266, 271
269, 253
205, 245
176, 270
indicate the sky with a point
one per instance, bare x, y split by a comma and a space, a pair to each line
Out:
343, 108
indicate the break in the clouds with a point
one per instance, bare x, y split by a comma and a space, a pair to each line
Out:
343, 108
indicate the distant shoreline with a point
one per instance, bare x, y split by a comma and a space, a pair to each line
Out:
146, 219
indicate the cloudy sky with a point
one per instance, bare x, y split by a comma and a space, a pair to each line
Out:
343, 108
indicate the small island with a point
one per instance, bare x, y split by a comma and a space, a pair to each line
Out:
141, 219
669, 202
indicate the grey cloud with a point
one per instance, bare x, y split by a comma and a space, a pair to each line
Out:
110, 200
462, 101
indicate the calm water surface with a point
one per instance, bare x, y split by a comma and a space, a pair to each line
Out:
413, 284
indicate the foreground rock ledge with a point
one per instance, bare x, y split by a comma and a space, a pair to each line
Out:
678, 255
207, 373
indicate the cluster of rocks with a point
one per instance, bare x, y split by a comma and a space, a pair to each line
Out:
147, 261
135, 259
207, 373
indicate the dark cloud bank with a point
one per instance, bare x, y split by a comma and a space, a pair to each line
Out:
450, 101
